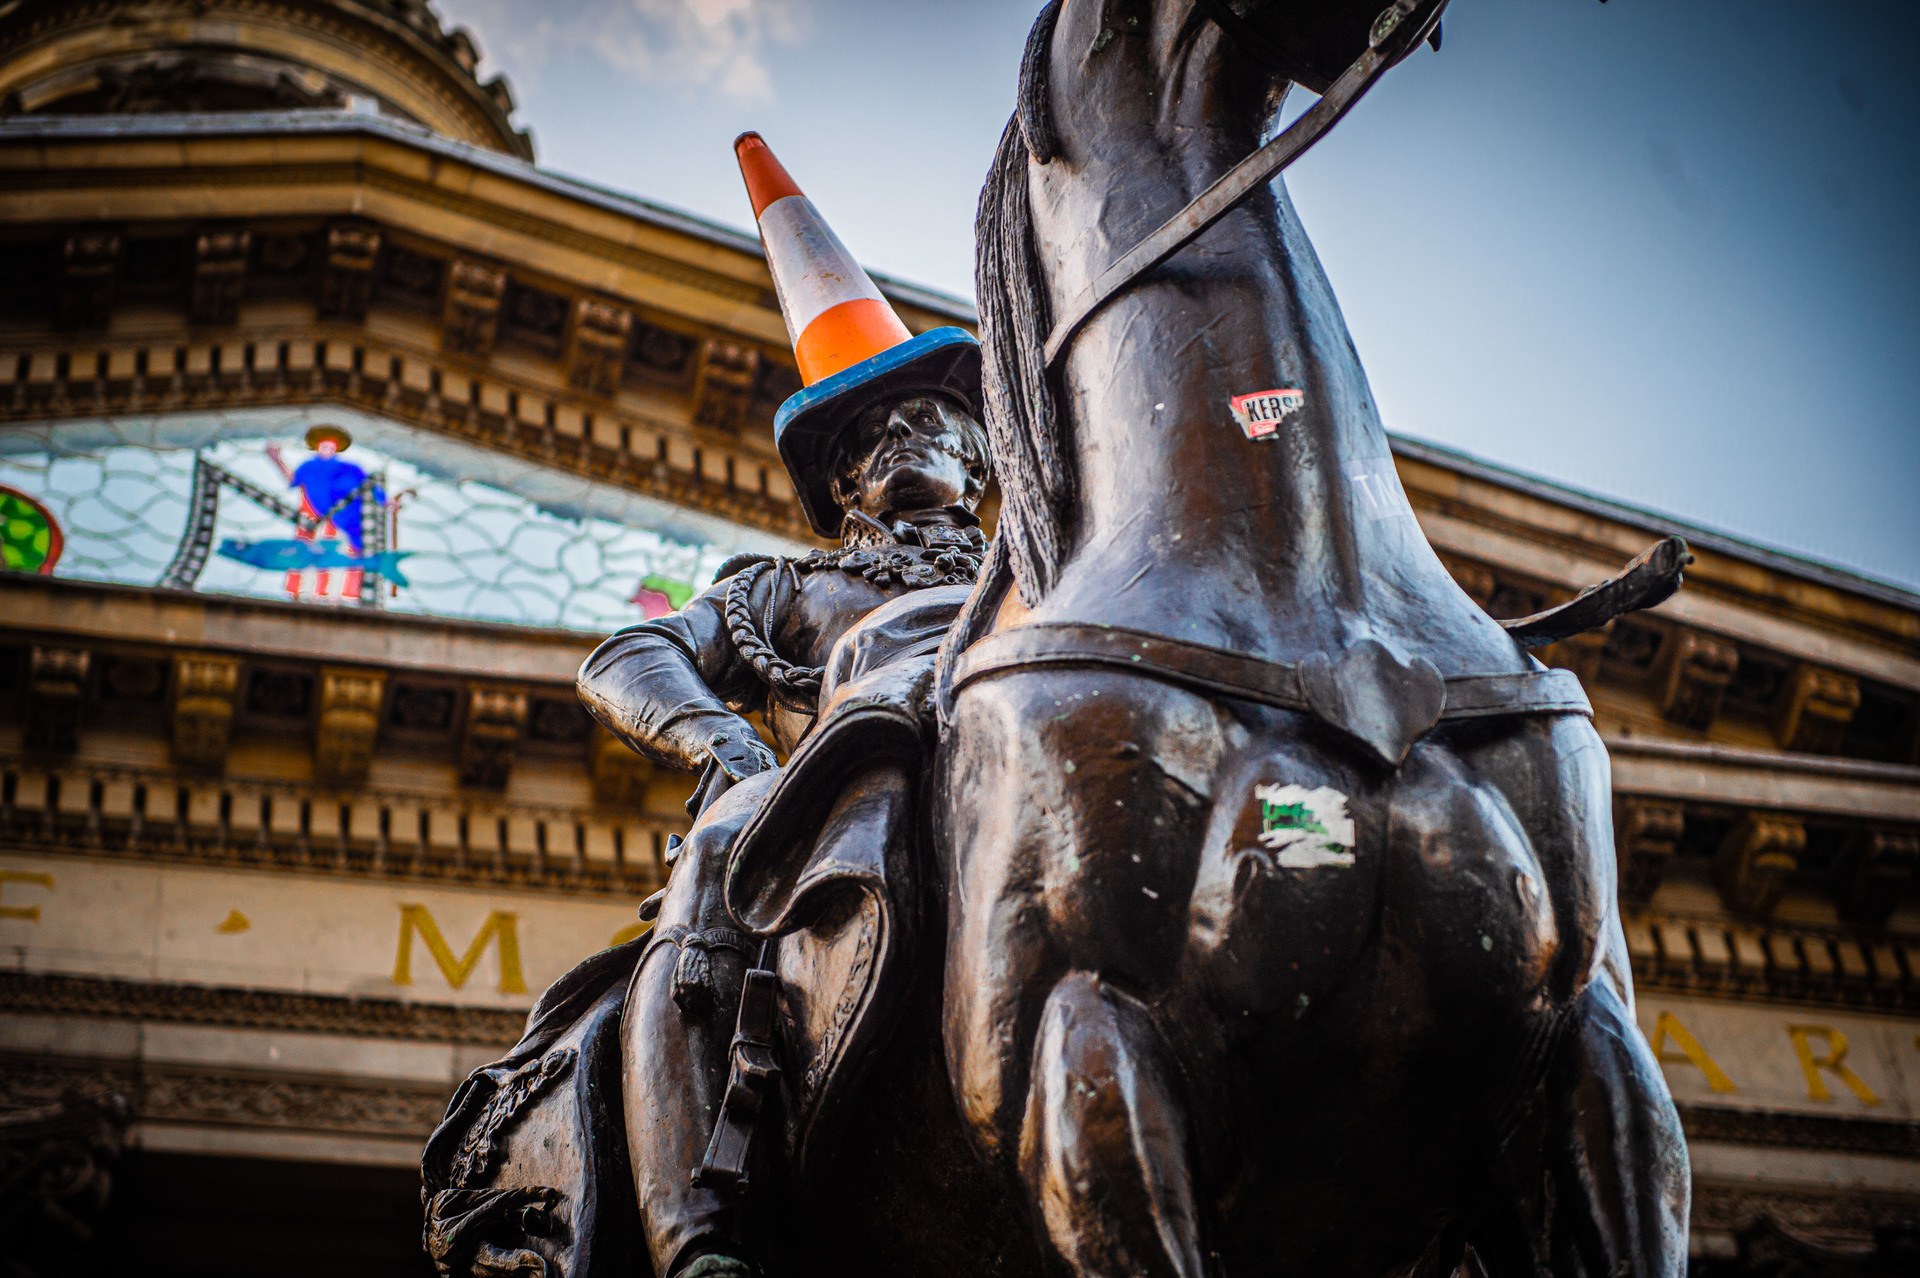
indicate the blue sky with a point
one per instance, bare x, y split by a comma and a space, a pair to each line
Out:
1662, 251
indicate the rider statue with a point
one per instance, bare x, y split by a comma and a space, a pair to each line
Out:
886, 453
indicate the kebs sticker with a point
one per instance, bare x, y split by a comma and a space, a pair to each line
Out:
1261, 412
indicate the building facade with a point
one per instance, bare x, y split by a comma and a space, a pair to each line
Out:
334, 432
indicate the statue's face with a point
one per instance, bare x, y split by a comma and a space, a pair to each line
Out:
909, 455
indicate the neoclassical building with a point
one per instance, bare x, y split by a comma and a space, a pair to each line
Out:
334, 432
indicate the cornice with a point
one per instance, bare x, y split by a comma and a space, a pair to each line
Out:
204, 1096
33, 993
206, 145
1801, 1131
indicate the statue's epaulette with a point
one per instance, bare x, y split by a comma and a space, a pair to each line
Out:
741, 562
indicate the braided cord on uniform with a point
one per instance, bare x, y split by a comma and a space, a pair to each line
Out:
796, 687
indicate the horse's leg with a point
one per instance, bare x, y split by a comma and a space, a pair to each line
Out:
1069, 837
1613, 1153
1103, 1149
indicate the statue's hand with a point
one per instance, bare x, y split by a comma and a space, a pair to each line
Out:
738, 751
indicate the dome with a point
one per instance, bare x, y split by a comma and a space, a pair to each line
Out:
393, 57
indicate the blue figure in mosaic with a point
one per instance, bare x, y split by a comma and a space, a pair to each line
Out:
331, 493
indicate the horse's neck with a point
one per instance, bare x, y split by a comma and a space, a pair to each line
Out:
1300, 539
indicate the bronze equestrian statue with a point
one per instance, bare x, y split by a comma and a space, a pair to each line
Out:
1256, 915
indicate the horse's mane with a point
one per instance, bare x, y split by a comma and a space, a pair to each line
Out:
1030, 452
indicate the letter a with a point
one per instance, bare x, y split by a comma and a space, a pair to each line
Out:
1691, 1053
500, 926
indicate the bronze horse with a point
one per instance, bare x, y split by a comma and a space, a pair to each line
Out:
1282, 934
1266, 920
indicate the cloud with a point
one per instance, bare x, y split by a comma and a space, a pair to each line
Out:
713, 45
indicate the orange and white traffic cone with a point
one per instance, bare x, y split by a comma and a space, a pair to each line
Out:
852, 349
835, 313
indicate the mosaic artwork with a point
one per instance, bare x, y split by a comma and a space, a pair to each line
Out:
340, 509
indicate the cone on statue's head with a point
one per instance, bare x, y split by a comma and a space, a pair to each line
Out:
852, 349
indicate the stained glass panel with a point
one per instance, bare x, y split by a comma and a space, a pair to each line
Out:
338, 508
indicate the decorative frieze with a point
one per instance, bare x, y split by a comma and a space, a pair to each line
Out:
1814, 709
1757, 858
472, 315
597, 347
1874, 872
258, 1009
219, 276
1695, 673
371, 833
89, 273
723, 387
346, 271
204, 687
348, 724
1646, 835
56, 692
491, 739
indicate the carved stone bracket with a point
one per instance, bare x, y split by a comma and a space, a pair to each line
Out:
348, 724
204, 687
495, 719
1646, 834
723, 388
619, 775
472, 315
219, 276
1474, 578
1873, 872
1694, 677
89, 271
597, 346
1814, 710
1758, 857
57, 1160
1580, 654
346, 272
56, 690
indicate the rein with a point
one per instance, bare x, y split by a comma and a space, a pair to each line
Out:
1398, 30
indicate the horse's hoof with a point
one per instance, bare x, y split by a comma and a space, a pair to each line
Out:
717, 1266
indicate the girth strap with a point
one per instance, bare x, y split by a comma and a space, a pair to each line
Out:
1231, 674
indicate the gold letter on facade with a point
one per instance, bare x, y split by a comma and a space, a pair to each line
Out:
500, 925
1834, 1061
26, 913
1668, 1026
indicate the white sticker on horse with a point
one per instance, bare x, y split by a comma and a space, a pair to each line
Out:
1261, 412
1381, 496
1305, 829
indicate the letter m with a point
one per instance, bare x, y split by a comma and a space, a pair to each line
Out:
500, 926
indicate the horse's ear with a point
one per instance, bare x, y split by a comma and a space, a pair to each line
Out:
1032, 105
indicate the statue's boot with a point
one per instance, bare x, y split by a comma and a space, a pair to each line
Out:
679, 1024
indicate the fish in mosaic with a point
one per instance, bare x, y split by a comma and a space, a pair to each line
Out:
290, 555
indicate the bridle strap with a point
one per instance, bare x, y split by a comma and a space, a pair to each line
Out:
1397, 30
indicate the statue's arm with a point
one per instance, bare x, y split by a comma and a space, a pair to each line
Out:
675, 688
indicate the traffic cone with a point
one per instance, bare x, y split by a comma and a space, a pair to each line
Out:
851, 347
835, 314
